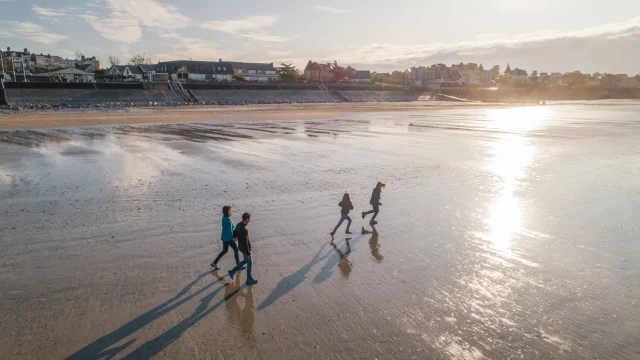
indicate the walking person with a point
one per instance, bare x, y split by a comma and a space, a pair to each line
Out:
346, 206
375, 202
227, 236
244, 245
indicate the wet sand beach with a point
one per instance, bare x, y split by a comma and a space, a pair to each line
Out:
505, 233
10, 119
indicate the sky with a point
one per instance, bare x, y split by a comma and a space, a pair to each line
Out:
542, 35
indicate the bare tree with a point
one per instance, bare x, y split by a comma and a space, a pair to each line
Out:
114, 60
79, 54
138, 60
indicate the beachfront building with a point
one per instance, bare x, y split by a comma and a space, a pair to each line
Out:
46, 61
86, 68
67, 63
119, 72
319, 72
471, 73
362, 76
68, 75
16, 60
515, 76
434, 77
187, 70
262, 72
93, 61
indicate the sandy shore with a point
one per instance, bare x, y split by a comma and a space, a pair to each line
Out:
506, 233
80, 117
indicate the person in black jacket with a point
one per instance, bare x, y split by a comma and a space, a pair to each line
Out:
346, 206
375, 202
244, 245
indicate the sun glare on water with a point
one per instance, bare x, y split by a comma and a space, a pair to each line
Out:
511, 154
518, 120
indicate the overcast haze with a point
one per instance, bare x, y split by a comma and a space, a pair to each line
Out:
545, 35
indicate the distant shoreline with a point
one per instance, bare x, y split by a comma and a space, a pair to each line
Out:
10, 119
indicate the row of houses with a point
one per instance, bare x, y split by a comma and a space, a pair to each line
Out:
326, 73
189, 70
457, 75
24, 60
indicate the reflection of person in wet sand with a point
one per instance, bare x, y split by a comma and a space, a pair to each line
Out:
373, 243
375, 202
244, 317
344, 265
346, 206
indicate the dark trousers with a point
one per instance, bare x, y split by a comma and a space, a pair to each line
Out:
225, 248
376, 209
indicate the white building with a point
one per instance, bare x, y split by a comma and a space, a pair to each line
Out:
363, 76
69, 75
183, 70
262, 72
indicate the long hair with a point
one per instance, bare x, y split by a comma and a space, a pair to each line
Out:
226, 210
346, 197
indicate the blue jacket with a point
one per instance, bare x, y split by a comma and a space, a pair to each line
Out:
227, 229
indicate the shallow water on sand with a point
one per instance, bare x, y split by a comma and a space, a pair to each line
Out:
505, 233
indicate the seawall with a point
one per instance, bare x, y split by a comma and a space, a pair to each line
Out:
37, 95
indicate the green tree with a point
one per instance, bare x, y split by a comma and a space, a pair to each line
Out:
351, 72
287, 72
494, 72
576, 78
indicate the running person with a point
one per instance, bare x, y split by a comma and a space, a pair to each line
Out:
346, 206
375, 202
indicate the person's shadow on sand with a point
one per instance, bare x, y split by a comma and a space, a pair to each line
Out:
152, 347
292, 281
100, 348
373, 243
342, 261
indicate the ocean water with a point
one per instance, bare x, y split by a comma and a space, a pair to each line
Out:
505, 233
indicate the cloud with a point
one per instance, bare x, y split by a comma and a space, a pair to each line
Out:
238, 25
124, 19
332, 10
251, 27
46, 12
602, 47
192, 48
30, 31
520, 6
279, 53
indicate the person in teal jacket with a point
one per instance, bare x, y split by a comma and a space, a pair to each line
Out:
227, 236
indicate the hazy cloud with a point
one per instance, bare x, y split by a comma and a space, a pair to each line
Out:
27, 30
331, 9
251, 27
610, 46
46, 12
123, 19
191, 48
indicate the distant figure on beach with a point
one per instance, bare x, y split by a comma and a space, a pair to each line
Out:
244, 244
227, 236
346, 206
375, 202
